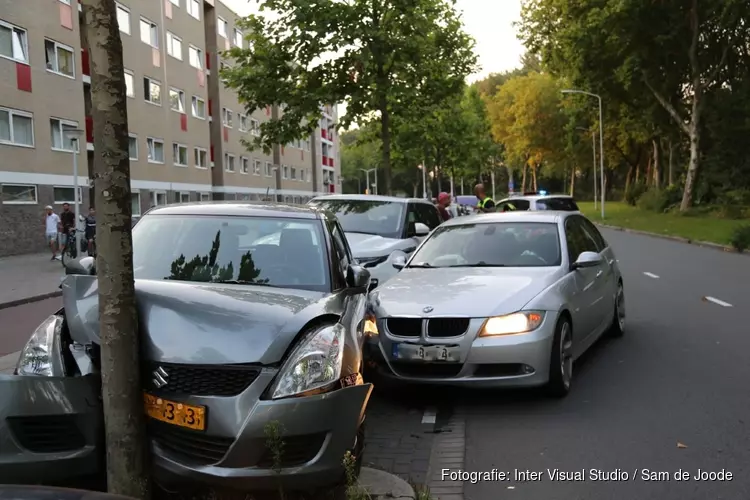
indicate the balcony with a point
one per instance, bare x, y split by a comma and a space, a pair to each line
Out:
85, 68
89, 129
323, 133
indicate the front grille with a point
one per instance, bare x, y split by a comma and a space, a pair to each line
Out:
404, 327
194, 446
297, 450
426, 370
48, 433
203, 380
447, 327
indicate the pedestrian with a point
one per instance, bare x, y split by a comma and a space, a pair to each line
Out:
91, 230
51, 226
486, 204
67, 222
443, 202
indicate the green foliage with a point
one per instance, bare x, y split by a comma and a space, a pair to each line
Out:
635, 191
740, 238
206, 269
653, 200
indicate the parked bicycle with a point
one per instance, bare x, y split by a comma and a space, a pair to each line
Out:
70, 251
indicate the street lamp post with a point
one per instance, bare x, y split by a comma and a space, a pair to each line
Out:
424, 181
73, 135
601, 137
367, 173
593, 142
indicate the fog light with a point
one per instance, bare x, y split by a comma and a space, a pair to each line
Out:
527, 369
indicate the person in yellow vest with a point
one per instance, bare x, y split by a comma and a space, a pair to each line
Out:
486, 204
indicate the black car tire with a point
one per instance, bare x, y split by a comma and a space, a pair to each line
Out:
561, 361
617, 328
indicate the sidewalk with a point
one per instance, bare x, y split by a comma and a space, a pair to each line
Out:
28, 278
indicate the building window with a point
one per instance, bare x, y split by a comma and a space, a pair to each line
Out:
16, 127
135, 204
244, 165
269, 169
158, 198
243, 123
195, 56
199, 107
226, 117
60, 134
64, 194
205, 197
133, 147
174, 46
194, 8
177, 100
152, 91
237, 37
149, 33
59, 58
175, 2
228, 162
222, 27
254, 127
123, 19
129, 84
302, 174
18, 194
180, 154
294, 174
201, 158
182, 198
155, 150
13, 43
256, 167
285, 172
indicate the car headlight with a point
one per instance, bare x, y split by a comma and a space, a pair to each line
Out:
314, 365
520, 322
41, 356
370, 327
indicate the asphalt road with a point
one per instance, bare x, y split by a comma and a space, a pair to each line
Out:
17, 323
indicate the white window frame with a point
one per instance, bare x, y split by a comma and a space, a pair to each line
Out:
66, 2
137, 195
69, 123
226, 117
244, 165
25, 114
293, 173
193, 107
137, 148
227, 157
205, 196
285, 172
257, 164
254, 127
222, 26
176, 147
69, 202
57, 46
303, 175
18, 202
196, 157
175, 2
173, 40
242, 119
127, 73
181, 99
155, 198
153, 34
238, 38
124, 10
192, 49
180, 194
191, 5
151, 143
23, 40
147, 95
268, 171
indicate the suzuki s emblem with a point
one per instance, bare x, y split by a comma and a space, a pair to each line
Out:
161, 378
427, 309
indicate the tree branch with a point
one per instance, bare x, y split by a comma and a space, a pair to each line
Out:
668, 107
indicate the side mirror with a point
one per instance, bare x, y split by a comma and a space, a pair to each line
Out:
421, 229
587, 259
399, 262
357, 277
373, 284
85, 266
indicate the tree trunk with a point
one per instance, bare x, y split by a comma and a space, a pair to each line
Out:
385, 137
533, 176
647, 178
657, 164
671, 150
628, 180
638, 173
691, 179
523, 178
124, 420
572, 181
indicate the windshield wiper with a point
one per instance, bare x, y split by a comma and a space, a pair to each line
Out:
479, 264
241, 282
423, 265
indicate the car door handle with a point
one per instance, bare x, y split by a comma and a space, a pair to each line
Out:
599, 274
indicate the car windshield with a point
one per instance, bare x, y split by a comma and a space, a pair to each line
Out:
383, 218
263, 251
502, 244
562, 204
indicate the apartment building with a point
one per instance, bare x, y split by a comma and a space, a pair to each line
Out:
186, 128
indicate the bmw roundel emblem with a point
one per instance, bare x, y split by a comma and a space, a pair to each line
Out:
427, 309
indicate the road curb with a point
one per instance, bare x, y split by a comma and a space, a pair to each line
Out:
29, 300
382, 484
703, 244
448, 455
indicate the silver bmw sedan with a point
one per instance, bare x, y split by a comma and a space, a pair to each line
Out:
498, 300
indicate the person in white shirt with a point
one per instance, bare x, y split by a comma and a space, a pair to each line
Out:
51, 229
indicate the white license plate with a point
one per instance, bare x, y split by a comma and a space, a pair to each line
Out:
414, 352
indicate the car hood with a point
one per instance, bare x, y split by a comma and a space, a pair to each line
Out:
473, 292
201, 323
371, 245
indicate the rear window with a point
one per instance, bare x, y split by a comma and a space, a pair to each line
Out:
562, 204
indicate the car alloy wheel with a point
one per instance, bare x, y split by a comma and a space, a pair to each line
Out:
566, 355
561, 360
618, 322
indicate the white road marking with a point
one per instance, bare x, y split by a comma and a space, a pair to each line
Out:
652, 275
430, 414
718, 302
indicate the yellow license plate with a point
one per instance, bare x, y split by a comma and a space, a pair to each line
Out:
172, 412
